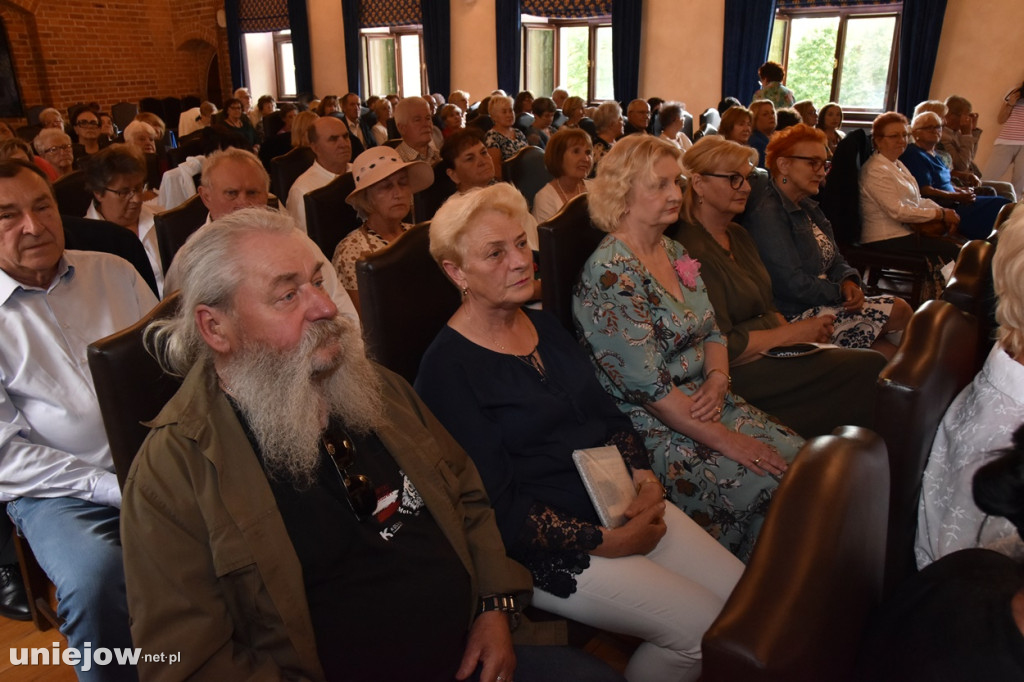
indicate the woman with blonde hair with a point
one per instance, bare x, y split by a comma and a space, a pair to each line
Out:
503, 140
644, 314
300, 128
608, 127
519, 394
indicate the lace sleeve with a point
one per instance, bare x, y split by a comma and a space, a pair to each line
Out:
632, 448
548, 529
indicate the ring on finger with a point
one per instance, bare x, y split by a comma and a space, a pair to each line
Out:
757, 462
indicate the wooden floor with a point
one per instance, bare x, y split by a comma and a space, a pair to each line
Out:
17, 634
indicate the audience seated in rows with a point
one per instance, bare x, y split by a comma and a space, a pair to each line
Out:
56, 472
808, 113
466, 161
539, 131
360, 133
383, 199
518, 393
638, 117
330, 141
569, 158
737, 124
809, 276
646, 320
415, 553
608, 128
813, 394
670, 123
980, 421
91, 138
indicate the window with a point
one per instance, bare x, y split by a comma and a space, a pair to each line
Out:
840, 54
270, 63
575, 54
393, 61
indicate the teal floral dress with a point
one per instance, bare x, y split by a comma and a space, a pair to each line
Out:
645, 342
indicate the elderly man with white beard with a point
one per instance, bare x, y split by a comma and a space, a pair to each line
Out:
296, 512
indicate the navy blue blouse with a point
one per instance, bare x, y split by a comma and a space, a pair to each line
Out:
521, 428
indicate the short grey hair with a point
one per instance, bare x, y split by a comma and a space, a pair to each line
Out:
48, 137
211, 269
232, 154
404, 108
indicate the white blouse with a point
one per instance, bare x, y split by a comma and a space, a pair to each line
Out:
890, 198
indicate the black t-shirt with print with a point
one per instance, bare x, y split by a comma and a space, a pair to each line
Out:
387, 595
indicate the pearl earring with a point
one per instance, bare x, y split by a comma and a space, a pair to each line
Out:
785, 180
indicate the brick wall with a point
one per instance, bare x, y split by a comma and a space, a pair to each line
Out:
113, 50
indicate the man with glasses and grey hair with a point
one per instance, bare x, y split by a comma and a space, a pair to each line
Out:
55, 146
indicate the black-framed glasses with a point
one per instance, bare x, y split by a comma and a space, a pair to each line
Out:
736, 180
814, 162
87, 124
57, 148
359, 489
126, 194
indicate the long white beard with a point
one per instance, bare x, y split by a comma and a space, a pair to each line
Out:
287, 396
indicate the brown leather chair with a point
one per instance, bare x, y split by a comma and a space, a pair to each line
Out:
971, 289
934, 362
799, 610
404, 301
566, 241
286, 169
328, 217
526, 170
176, 225
1002, 217
130, 385
72, 196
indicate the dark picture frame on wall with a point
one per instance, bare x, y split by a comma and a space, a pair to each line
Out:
10, 95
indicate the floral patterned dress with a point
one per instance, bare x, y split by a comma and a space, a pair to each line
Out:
506, 145
645, 342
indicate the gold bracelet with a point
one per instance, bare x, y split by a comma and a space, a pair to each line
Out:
723, 372
640, 485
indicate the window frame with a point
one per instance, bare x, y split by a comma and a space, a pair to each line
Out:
393, 33
895, 9
530, 22
279, 38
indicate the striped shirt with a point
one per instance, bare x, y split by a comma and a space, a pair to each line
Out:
1013, 129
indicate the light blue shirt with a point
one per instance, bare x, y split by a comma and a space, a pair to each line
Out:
52, 440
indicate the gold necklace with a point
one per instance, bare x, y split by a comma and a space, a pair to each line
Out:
561, 195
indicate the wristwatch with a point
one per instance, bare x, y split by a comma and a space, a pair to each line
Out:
506, 603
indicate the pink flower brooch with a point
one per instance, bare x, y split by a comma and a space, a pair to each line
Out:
688, 270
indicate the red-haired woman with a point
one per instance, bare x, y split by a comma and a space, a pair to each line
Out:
809, 275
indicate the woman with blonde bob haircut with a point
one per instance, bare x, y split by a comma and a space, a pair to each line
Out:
519, 394
645, 317
300, 128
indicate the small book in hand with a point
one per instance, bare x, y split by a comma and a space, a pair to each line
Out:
607, 482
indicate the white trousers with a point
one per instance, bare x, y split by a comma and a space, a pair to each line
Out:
1003, 155
668, 598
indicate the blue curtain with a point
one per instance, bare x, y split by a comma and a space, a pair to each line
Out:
236, 49
919, 45
508, 28
437, 31
626, 20
353, 70
748, 30
298, 21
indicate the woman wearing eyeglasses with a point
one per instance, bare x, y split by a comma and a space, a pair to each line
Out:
894, 215
116, 176
812, 393
809, 275
977, 213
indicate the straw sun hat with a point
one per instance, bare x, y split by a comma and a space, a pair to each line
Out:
377, 163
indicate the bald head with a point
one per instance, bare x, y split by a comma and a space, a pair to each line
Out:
328, 138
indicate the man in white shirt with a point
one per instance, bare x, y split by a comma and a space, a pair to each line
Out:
412, 117
56, 472
330, 141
